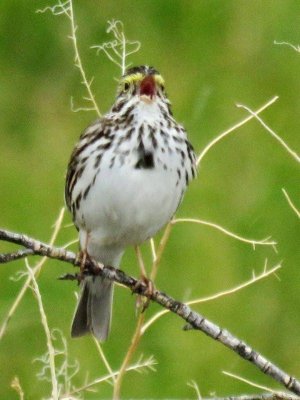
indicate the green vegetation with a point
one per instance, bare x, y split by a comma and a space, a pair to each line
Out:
212, 54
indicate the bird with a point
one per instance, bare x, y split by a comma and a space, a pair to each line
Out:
125, 180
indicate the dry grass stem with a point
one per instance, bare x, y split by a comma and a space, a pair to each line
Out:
153, 249
131, 350
15, 384
66, 8
194, 386
50, 347
104, 359
218, 138
120, 48
138, 330
255, 278
268, 129
161, 248
69, 244
36, 270
265, 388
294, 47
253, 242
139, 366
140, 261
78, 62
291, 204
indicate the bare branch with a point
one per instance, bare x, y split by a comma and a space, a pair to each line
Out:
7, 257
263, 396
194, 320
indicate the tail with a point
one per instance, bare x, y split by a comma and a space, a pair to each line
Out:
93, 312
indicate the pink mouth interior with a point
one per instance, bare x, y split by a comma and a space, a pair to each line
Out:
147, 86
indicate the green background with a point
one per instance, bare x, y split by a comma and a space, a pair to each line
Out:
212, 54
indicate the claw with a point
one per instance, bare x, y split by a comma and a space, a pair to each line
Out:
142, 302
82, 257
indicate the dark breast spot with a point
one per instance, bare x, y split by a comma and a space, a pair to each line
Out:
145, 161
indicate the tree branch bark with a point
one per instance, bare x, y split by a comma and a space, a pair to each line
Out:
194, 320
264, 396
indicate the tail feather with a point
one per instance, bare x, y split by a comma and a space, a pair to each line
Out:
93, 313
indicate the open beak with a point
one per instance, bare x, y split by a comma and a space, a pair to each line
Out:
147, 89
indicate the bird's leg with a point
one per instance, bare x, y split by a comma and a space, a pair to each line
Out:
83, 256
142, 301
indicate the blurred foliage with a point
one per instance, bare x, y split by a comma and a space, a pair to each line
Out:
212, 54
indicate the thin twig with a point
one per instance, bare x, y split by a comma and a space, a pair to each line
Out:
253, 242
160, 250
51, 351
294, 47
36, 271
66, 8
194, 386
78, 62
233, 128
15, 384
118, 49
278, 138
139, 366
291, 204
194, 320
239, 378
216, 296
131, 350
104, 359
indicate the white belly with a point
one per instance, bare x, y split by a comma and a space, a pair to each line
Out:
127, 206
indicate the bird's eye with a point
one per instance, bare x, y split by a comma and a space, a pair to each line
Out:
126, 86
162, 87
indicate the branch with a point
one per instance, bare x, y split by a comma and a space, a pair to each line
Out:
264, 396
193, 319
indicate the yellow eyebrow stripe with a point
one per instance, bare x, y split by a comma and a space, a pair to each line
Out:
134, 78
159, 80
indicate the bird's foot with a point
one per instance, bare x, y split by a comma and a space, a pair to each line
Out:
82, 257
142, 301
